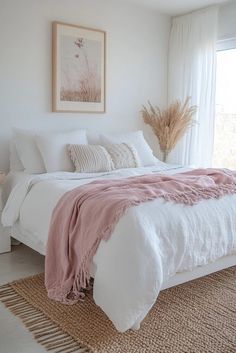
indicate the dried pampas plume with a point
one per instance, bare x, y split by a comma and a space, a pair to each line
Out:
171, 124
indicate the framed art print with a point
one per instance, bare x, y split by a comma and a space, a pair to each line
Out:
78, 69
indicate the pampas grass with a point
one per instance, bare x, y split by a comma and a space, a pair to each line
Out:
171, 124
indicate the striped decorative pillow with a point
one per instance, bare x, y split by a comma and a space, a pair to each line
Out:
96, 158
123, 155
90, 158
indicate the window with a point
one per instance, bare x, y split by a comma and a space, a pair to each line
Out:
225, 121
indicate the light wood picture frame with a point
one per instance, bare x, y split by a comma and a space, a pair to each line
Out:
78, 69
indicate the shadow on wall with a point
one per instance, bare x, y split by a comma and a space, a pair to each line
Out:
4, 153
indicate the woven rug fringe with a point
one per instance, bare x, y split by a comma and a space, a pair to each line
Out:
45, 331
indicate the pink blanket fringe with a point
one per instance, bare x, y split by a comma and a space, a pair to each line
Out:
193, 197
89, 213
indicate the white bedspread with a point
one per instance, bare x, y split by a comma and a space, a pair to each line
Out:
150, 243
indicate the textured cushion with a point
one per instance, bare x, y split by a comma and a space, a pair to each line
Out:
123, 155
96, 158
53, 148
90, 158
28, 151
135, 138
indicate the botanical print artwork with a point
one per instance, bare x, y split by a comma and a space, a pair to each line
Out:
80, 70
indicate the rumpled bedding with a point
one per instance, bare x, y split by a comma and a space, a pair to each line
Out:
150, 243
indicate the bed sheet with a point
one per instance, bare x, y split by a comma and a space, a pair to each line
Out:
11, 180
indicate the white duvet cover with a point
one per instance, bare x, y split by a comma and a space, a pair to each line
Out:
151, 242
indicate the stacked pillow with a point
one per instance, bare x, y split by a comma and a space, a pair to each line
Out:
53, 149
70, 151
28, 151
135, 138
46, 152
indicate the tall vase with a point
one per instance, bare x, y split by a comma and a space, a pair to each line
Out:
165, 156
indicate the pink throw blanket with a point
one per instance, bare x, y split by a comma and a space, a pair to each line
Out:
89, 213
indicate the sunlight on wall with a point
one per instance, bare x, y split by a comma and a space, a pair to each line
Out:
225, 124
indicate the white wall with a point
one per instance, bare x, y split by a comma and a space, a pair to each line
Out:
227, 21
137, 44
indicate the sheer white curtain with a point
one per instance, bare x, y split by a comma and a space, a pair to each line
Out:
192, 68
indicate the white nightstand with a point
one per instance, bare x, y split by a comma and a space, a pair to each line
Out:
5, 239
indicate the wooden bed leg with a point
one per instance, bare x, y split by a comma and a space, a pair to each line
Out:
5, 239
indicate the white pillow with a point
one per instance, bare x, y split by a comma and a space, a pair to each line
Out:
15, 162
53, 148
93, 137
28, 151
136, 139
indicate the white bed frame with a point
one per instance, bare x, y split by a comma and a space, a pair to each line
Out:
201, 271
179, 278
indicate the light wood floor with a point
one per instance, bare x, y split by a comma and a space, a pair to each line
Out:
19, 263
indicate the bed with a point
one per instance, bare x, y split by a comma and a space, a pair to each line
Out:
154, 246
33, 198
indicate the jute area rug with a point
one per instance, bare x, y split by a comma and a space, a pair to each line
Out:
197, 317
